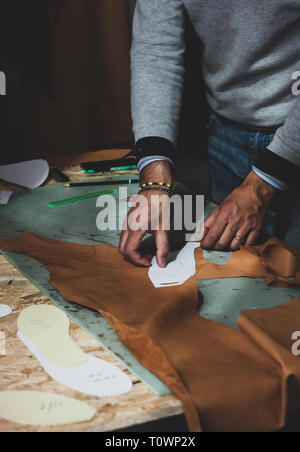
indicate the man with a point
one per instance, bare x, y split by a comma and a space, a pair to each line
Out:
250, 55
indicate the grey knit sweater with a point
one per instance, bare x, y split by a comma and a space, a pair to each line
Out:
250, 51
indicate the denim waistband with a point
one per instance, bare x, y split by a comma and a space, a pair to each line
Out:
247, 127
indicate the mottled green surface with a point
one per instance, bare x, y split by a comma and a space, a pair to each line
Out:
28, 211
220, 300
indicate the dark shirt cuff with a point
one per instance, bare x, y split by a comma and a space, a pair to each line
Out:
151, 146
279, 168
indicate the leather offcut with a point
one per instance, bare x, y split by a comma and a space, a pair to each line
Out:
227, 380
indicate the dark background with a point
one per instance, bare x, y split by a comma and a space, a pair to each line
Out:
68, 82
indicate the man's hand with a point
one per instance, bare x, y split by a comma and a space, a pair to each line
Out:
130, 237
240, 218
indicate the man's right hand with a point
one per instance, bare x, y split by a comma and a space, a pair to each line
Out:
131, 237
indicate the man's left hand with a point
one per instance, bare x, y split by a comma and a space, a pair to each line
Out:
240, 218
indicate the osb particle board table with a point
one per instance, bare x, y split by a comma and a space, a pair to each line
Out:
19, 370
222, 301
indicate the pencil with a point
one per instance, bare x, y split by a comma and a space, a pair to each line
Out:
80, 198
111, 182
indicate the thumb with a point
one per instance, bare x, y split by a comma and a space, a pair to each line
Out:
162, 247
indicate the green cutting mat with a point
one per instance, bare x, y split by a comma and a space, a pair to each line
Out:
220, 300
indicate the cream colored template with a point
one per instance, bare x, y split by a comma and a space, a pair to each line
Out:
43, 408
45, 331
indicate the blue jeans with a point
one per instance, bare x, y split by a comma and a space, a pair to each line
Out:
232, 149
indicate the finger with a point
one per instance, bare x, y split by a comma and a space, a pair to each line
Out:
162, 247
131, 249
252, 238
227, 237
214, 233
200, 232
208, 223
242, 234
123, 240
124, 235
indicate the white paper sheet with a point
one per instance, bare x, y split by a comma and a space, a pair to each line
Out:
5, 197
29, 174
181, 266
95, 377
5, 310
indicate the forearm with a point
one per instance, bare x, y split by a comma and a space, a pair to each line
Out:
157, 172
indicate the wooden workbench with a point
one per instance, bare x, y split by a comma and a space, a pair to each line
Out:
19, 370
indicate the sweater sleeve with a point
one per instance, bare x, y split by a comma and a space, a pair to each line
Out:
286, 143
282, 158
157, 69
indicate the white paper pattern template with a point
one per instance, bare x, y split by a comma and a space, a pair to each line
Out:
5, 310
181, 266
91, 375
29, 174
5, 196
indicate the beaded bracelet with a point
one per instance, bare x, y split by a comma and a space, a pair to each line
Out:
169, 191
158, 184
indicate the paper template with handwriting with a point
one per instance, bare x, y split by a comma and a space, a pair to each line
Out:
47, 327
43, 408
45, 332
180, 267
